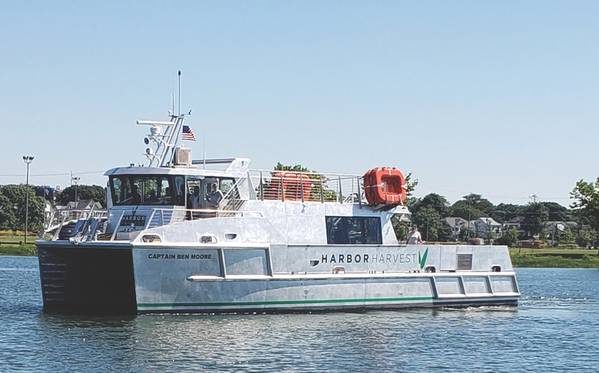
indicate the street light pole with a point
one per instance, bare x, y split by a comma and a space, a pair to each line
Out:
27, 159
75, 180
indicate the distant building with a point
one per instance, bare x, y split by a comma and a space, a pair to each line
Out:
486, 227
457, 225
552, 225
515, 223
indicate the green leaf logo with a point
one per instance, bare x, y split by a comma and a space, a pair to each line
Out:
422, 259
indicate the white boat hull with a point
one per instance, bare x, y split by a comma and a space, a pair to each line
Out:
191, 280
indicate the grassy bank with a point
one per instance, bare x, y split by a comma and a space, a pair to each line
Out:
12, 243
555, 258
7, 249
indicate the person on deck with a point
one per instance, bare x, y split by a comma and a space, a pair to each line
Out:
414, 237
135, 196
214, 196
195, 202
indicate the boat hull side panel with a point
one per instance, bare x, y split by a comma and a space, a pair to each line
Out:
79, 279
173, 281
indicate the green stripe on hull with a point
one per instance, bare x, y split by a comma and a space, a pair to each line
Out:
281, 302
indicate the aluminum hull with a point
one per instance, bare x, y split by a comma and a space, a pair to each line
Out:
124, 278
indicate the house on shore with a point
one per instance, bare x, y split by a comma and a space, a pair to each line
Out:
457, 225
486, 227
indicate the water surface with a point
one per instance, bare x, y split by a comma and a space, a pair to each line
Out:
554, 328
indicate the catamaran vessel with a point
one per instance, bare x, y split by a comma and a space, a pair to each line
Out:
212, 235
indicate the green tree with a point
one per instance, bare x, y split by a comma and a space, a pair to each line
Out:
471, 207
401, 227
14, 207
567, 236
584, 238
44, 191
509, 238
480, 203
557, 212
428, 221
445, 233
434, 201
586, 202
298, 167
535, 216
463, 210
411, 184
506, 211
84, 192
8, 219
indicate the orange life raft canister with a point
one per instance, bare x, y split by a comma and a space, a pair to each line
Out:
385, 186
291, 184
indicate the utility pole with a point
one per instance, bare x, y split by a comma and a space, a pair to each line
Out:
469, 217
75, 180
27, 159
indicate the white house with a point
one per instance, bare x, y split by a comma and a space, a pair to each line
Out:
486, 227
456, 224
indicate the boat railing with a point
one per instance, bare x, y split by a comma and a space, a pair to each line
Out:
162, 216
232, 200
307, 186
66, 216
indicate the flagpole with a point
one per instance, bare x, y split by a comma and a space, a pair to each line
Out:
204, 146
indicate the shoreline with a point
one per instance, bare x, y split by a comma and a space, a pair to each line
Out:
531, 258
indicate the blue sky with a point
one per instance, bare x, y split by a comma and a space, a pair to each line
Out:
497, 98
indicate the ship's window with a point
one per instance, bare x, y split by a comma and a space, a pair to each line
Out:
142, 190
116, 191
156, 191
353, 230
226, 185
246, 262
180, 190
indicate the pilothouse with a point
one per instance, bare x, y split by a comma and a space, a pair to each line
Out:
212, 235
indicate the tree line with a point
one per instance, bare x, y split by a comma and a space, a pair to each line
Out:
429, 214
13, 202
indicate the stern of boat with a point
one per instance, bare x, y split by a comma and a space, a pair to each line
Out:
86, 278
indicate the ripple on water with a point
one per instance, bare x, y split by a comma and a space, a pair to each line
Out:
552, 329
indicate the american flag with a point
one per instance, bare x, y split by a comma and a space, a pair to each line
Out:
188, 134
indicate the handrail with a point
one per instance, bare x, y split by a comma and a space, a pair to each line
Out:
315, 173
118, 224
240, 213
286, 185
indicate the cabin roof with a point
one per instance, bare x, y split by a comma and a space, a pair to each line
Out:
186, 171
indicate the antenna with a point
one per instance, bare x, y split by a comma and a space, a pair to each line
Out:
179, 75
204, 146
173, 103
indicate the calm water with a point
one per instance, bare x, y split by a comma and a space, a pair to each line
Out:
555, 328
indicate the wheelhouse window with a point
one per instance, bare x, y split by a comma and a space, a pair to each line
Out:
146, 190
353, 230
200, 194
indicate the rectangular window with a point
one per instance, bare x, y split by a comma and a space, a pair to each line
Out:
144, 190
464, 262
353, 230
246, 262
